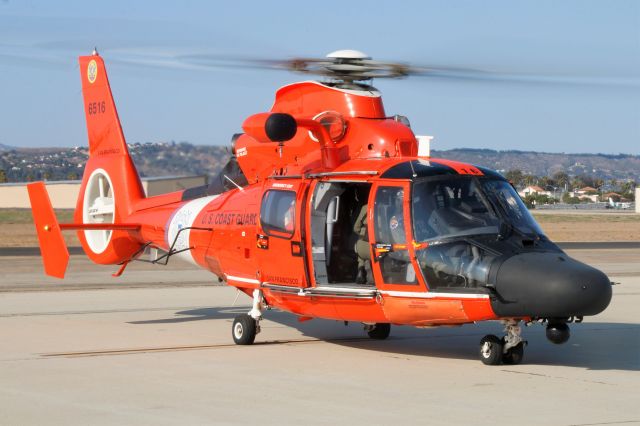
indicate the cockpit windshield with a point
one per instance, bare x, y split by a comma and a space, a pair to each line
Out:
446, 207
457, 215
449, 207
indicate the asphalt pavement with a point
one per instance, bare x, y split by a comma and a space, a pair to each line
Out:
136, 350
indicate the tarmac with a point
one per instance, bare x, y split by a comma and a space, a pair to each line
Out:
155, 347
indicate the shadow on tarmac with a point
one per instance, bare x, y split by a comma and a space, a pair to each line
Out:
593, 345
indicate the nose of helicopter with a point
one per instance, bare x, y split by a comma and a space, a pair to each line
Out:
549, 285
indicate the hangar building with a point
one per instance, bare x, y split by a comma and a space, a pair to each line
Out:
64, 194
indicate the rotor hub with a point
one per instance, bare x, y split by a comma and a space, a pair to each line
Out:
344, 67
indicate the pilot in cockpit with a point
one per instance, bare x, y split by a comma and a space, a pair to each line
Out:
456, 209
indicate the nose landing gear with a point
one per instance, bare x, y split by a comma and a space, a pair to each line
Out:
513, 349
508, 350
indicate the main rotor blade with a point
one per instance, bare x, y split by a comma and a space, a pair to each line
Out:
520, 77
381, 69
368, 69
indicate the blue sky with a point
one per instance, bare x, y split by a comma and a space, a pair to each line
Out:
587, 51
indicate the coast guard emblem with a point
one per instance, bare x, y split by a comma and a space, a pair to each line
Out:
92, 71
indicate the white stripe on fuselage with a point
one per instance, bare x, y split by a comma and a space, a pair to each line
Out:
435, 295
184, 218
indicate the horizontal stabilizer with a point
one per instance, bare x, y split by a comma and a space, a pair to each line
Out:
55, 255
103, 226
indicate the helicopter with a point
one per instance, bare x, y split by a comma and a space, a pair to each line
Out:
329, 208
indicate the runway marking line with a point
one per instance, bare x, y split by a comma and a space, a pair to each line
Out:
609, 423
103, 311
546, 376
132, 351
191, 347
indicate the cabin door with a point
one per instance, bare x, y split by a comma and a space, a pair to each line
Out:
279, 239
392, 251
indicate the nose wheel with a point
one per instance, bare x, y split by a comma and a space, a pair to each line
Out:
508, 350
491, 350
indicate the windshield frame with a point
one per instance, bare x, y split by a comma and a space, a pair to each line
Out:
494, 207
503, 212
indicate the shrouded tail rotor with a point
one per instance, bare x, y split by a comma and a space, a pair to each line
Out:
110, 186
98, 206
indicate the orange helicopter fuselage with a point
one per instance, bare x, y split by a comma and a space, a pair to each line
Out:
227, 235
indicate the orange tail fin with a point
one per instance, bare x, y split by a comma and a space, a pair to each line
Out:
110, 186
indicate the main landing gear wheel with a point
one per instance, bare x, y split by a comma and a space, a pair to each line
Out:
379, 331
244, 330
513, 355
491, 350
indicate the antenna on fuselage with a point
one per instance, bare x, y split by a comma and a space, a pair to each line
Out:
231, 180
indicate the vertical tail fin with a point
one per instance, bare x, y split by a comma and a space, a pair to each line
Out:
103, 125
110, 185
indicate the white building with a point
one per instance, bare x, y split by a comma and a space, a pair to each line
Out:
586, 193
534, 190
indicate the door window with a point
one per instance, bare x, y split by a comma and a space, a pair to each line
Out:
278, 213
391, 240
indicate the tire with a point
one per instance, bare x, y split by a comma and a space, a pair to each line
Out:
244, 330
380, 332
491, 350
514, 355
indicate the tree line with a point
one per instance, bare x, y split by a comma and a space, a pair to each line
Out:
560, 184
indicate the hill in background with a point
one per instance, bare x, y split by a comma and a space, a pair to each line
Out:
603, 166
167, 159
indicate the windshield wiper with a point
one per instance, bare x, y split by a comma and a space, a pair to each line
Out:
510, 229
506, 227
